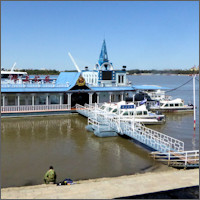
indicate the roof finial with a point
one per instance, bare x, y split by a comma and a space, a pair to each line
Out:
103, 55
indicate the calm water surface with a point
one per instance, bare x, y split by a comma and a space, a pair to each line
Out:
30, 145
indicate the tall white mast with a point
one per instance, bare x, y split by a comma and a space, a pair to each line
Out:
194, 101
12, 69
74, 62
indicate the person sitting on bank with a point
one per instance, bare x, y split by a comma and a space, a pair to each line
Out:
50, 176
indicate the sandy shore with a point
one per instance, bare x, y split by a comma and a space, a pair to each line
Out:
107, 188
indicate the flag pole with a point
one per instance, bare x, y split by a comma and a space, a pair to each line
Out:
194, 101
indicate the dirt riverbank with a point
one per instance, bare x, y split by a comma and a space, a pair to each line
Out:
107, 188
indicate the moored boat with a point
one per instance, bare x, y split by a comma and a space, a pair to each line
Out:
176, 105
128, 112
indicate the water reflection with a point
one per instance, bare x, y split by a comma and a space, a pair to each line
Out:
30, 145
194, 141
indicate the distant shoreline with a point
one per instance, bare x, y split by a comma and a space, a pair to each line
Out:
129, 72
149, 74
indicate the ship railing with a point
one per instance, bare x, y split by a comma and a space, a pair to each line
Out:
32, 85
35, 108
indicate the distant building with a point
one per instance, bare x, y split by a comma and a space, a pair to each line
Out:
194, 68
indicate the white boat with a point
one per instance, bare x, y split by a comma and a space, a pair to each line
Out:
151, 95
8, 74
176, 105
158, 95
11, 76
140, 113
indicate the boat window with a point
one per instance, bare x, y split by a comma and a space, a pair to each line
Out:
171, 105
125, 113
110, 109
161, 104
115, 110
102, 107
131, 112
145, 113
139, 112
166, 105
122, 79
176, 104
4, 75
181, 104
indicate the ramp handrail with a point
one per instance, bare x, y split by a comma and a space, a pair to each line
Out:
94, 123
186, 157
174, 144
151, 138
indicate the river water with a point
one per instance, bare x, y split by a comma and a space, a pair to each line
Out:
30, 145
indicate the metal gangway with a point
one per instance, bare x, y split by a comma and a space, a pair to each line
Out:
164, 148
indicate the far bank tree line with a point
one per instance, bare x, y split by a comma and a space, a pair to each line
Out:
133, 71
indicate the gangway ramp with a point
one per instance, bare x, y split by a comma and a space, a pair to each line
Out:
164, 147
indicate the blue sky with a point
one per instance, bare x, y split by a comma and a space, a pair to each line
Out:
140, 35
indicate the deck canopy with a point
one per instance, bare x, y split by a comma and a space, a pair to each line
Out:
149, 87
112, 89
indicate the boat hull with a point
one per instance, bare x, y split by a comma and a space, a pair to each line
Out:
172, 110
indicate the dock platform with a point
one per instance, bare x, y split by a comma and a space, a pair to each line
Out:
164, 148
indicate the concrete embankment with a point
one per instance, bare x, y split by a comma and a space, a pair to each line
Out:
108, 188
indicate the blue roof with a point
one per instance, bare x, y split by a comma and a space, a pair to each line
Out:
70, 77
125, 88
149, 87
64, 82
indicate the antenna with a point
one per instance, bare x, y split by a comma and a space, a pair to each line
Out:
12, 69
74, 62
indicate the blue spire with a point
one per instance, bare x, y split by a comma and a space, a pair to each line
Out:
103, 55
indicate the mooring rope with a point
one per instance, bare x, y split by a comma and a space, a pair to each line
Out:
179, 86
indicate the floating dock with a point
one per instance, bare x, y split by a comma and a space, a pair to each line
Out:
164, 148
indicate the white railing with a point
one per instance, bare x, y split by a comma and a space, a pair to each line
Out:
150, 137
168, 148
180, 158
155, 136
34, 108
33, 85
135, 130
95, 124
